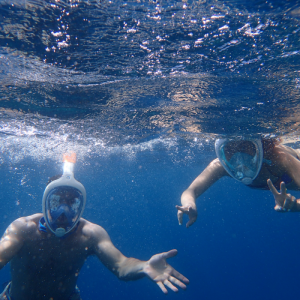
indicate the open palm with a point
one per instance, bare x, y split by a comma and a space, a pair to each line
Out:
163, 274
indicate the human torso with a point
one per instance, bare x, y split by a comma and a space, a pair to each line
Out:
47, 267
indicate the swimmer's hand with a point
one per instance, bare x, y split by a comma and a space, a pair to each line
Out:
163, 274
190, 210
283, 201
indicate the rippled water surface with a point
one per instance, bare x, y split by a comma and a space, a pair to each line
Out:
140, 90
118, 72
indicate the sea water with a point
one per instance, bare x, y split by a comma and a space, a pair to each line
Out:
140, 90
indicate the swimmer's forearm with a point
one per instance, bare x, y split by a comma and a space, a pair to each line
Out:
212, 173
131, 269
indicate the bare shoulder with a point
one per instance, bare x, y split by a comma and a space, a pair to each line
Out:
28, 223
282, 153
23, 227
93, 231
286, 150
216, 166
215, 163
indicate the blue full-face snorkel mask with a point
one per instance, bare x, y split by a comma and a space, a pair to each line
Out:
64, 200
241, 166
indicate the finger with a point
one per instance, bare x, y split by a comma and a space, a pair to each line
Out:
162, 287
282, 187
180, 276
170, 286
179, 216
272, 187
177, 282
169, 254
286, 203
181, 208
190, 222
278, 208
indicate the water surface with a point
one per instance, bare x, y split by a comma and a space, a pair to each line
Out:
140, 90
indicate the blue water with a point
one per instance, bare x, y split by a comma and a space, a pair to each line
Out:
140, 90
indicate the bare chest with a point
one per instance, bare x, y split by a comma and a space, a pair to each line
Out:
50, 257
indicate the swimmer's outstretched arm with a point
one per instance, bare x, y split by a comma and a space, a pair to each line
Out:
212, 173
125, 268
283, 201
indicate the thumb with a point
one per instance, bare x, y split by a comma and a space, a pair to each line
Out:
170, 254
180, 216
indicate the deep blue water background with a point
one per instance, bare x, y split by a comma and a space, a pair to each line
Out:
239, 248
140, 90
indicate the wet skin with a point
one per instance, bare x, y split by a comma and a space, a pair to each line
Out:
44, 266
48, 267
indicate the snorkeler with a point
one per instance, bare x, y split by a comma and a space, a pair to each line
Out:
46, 251
251, 162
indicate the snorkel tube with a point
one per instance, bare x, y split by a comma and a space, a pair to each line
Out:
67, 180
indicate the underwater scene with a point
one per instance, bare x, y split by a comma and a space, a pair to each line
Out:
140, 91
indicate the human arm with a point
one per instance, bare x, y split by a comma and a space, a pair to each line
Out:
12, 240
283, 201
212, 173
126, 268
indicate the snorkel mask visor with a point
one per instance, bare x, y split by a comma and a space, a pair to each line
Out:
64, 201
242, 159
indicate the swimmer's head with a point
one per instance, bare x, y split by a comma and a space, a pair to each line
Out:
63, 201
241, 158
